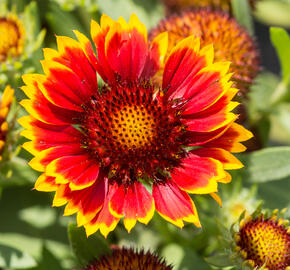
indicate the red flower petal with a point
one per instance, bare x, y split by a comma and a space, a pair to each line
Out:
182, 64
116, 204
80, 171
98, 34
213, 117
138, 205
205, 91
198, 175
43, 110
173, 204
126, 52
92, 200
45, 183
226, 158
45, 136
231, 139
156, 55
104, 220
45, 157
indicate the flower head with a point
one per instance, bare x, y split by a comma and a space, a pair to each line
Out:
128, 259
104, 149
179, 5
231, 41
16, 44
264, 242
12, 37
5, 103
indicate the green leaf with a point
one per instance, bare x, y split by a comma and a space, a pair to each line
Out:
149, 12
275, 194
49, 261
31, 216
273, 12
86, 248
219, 260
62, 23
267, 165
16, 172
281, 41
283, 115
242, 12
15, 259
262, 91
183, 258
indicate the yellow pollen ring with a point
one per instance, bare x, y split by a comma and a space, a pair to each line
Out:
133, 127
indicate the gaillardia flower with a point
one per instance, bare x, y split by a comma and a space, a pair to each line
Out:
257, 241
231, 41
5, 104
128, 259
264, 242
102, 149
12, 37
173, 6
17, 45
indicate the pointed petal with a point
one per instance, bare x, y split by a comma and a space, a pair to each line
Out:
173, 204
198, 175
229, 161
139, 205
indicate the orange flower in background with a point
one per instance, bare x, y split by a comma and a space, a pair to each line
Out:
231, 42
173, 6
12, 37
122, 150
265, 242
5, 103
129, 259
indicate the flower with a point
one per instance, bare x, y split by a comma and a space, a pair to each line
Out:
128, 259
12, 37
264, 242
179, 5
103, 149
19, 40
5, 103
231, 41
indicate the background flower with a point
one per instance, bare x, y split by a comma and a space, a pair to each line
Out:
20, 40
5, 103
231, 41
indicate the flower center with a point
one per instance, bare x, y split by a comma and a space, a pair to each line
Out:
266, 242
133, 127
132, 133
9, 40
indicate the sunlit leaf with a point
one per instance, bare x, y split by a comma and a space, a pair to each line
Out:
267, 165
281, 40
15, 259
242, 12
183, 258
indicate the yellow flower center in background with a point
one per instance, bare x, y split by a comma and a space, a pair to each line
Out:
11, 33
133, 127
266, 242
